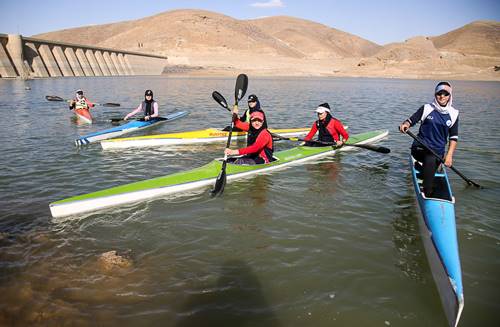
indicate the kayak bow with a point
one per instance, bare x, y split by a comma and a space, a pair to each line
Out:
83, 115
439, 235
195, 178
131, 126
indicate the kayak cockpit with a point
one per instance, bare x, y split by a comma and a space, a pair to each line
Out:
440, 185
232, 161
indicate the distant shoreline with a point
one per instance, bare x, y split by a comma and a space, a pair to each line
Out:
200, 71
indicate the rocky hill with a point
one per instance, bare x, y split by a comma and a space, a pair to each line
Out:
204, 42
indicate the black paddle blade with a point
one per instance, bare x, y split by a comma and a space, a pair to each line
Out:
376, 148
220, 99
53, 98
220, 182
241, 87
110, 104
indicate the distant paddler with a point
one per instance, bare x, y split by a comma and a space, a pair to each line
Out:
329, 129
438, 124
259, 148
253, 105
80, 106
148, 107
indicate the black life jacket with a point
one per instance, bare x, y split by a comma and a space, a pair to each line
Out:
323, 133
148, 107
246, 115
252, 137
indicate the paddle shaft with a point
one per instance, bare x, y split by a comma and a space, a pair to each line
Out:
239, 91
413, 136
115, 120
375, 148
59, 99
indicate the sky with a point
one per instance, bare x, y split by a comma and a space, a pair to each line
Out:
379, 21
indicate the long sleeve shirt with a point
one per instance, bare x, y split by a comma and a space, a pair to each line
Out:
139, 108
335, 128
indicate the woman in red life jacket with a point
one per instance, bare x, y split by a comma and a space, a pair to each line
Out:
81, 105
330, 129
259, 148
148, 107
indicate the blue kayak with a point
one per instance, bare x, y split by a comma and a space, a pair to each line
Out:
131, 126
439, 235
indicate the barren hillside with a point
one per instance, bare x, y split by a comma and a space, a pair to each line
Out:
204, 42
478, 38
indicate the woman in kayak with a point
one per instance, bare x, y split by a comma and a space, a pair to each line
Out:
330, 129
438, 124
259, 148
253, 105
81, 105
148, 107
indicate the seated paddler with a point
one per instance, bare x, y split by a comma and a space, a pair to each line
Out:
259, 149
330, 130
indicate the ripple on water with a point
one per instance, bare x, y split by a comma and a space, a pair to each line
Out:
333, 242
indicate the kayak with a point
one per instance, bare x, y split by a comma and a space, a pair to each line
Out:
132, 126
439, 235
83, 115
196, 178
193, 137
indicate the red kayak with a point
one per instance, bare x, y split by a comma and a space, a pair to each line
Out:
83, 115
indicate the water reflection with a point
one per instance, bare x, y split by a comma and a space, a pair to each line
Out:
323, 176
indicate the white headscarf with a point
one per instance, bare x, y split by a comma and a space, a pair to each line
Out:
435, 103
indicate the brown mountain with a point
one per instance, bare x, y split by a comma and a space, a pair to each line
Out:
313, 40
203, 42
477, 38
208, 31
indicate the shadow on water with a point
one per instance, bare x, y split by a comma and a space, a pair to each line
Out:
236, 299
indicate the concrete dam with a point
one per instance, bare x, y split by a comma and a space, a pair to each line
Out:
25, 57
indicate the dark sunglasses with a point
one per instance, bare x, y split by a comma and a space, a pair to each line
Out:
256, 119
249, 101
443, 93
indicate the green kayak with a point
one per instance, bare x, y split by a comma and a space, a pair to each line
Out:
196, 178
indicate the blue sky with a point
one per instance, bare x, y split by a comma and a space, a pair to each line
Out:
380, 21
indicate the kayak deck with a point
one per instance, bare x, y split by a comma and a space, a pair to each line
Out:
195, 178
439, 234
191, 137
83, 115
129, 127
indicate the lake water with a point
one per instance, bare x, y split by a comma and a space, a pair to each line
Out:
329, 243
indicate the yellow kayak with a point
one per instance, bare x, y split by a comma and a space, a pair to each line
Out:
193, 137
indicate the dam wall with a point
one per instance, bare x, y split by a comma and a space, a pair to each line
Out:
26, 57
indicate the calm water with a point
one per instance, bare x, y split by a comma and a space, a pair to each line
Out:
330, 243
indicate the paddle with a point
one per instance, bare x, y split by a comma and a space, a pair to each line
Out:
117, 120
372, 147
57, 98
413, 136
239, 91
220, 100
